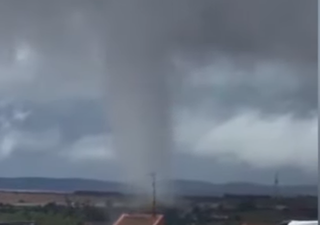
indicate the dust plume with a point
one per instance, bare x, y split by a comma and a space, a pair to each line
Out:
138, 70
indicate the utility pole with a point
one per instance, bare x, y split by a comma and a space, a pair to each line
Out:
153, 176
276, 185
276, 190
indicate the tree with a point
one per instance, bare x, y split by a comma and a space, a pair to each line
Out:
246, 205
93, 214
204, 215
238, 218
173, 216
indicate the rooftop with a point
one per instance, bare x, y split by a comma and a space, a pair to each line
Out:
139, 219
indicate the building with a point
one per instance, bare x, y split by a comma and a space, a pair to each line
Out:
140, 219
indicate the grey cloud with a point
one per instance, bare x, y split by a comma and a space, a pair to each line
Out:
264, 28
72, 53
54, 166
74, 118
204, 168
269, 89
249, 26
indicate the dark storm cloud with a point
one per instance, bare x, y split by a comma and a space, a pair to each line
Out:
286, 28
266, 28
72, 51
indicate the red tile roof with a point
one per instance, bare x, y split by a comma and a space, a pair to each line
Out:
139, 219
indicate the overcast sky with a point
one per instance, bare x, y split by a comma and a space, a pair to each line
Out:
245, 88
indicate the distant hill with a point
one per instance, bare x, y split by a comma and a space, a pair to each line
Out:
237, 188
183, 187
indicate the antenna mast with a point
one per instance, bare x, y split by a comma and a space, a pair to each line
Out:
153, 176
